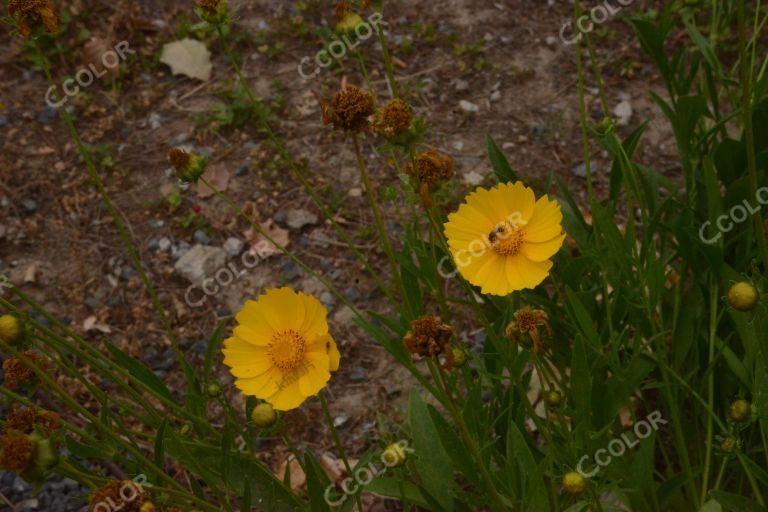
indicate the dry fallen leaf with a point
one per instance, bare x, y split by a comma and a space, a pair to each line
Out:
216, 175
94, 58
188, 57
263, 248
91, 323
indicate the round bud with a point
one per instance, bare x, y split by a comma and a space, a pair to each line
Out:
214, 390
742, 296
394, 455
553, 398
10, 329
263, 415
739, 411
574, 483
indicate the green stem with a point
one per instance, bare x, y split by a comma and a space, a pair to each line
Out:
337, 441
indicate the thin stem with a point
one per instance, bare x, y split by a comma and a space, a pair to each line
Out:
337, 441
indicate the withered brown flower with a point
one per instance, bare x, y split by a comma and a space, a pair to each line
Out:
25, 420
33, 10
428, 337
349, 109
527, 321
116, 493
18, 371
209, 6
16, 451
394, 119
431, 169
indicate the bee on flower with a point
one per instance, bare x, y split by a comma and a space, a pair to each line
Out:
502, 239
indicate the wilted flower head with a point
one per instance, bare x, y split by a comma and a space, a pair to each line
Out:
25, 420
17, 371
431, 169
394, 119
29, 455
428, 337
527, 321
123, 495
214, 12
189, 166
349, 109
17, 450
349, 20
34, 10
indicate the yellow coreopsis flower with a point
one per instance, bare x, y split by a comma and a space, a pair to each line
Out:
281, 350
502, 239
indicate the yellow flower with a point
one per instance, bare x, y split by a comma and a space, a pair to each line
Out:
742, 296
574, 483
281, 350
502, 239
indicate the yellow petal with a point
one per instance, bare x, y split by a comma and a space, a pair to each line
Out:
279, 307
287, 398
314, 380
334, 356
545, 223
245, 359
517, 199
252, 316
261, 386
314, 320
523, 273
543, 250
250, 334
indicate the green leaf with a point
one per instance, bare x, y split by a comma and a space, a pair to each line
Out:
581, 384
141, 372
711, 506
431, 460
455, 447
396, 488
317, 482
500, 164
735, 503
160, 444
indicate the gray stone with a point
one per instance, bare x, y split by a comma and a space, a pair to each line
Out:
164, 244
201, 238
297, 219
234, 246
200, 262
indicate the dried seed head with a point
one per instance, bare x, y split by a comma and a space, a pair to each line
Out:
527, 321
27, 419
17, 450
394, 119
431, 169
341, 9
189, 166
33, 10
729, 444
428, 337
17, 371
214, 12
123, 495
349, 109
209, 6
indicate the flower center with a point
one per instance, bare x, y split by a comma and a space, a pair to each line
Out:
506, 239
287, 349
